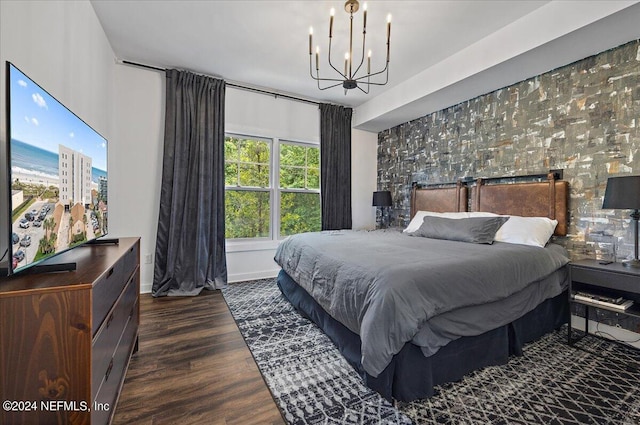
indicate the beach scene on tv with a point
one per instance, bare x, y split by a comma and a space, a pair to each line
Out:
58, 175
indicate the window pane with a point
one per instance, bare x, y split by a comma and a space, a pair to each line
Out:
254, 175
292, 177
230, 149
230, 174
254, 151
313, 178
313, 157
247, 214
292, 155
299, 212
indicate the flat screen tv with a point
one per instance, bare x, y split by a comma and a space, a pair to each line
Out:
57, 168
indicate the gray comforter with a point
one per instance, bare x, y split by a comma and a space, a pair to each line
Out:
387, 286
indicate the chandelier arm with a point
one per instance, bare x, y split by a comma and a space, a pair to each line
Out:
377, 84
318, 78
360, 88
350, 46
386, 69
327, 79
368, 87
311, 68
329, 87
330, 64
356, 73
380, 84
364, 34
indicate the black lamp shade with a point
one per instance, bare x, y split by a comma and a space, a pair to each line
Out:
382, 198
622, 193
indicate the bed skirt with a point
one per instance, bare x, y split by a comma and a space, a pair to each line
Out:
411, 375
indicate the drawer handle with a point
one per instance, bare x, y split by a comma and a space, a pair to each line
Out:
109, 320
109, 273
106, 375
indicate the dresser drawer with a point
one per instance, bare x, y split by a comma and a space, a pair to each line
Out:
109, 334
131, 260
106, 291
109, 389
620, 280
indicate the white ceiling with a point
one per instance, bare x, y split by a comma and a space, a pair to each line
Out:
442, 52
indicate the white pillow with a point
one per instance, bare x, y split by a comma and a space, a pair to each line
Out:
418, 219
534, 231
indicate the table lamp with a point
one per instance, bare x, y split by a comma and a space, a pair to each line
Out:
382, 199
624, 193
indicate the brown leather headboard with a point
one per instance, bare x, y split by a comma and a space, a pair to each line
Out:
549, 198
439, 199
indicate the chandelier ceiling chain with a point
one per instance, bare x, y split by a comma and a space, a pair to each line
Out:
350, 79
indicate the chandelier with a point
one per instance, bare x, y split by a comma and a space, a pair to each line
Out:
351, 78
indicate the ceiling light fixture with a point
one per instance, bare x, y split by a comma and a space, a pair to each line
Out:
350, 79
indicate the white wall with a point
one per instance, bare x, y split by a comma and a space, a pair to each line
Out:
62, 47
252, 113
364, 174
136, 169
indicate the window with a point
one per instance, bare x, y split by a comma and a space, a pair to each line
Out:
247, 194
272, 187
299, 188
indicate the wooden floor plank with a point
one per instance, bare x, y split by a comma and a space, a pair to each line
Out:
193, 367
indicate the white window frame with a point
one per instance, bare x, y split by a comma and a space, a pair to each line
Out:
281, 190
274, 189
268, 189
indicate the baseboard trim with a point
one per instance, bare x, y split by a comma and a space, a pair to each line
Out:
264, 274
145, 288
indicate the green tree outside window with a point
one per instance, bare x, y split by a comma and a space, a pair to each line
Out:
250, 191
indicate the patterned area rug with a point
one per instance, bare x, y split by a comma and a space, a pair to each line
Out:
551, 384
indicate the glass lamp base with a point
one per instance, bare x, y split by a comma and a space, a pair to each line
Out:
635, 263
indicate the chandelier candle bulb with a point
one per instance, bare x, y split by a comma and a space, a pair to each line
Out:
388, 36
364, 19
317, 58
310, 39
332, 12
369, 63
346, 62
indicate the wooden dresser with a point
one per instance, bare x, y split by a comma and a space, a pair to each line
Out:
66, 338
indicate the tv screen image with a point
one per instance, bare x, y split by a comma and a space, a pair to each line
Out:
57, 173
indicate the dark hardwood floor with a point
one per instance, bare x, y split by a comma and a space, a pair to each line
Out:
193, 367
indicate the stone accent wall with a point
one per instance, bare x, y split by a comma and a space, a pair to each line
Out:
583, 118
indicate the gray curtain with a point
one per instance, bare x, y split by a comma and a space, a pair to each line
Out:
190, 245
335, 166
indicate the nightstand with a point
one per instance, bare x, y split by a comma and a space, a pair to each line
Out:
610, 280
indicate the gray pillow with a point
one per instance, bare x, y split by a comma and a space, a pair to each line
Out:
474, 229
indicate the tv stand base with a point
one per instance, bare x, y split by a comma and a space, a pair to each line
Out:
113, 241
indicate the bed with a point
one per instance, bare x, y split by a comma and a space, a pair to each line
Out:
411, 312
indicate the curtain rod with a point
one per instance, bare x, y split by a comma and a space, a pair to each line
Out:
234, 85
